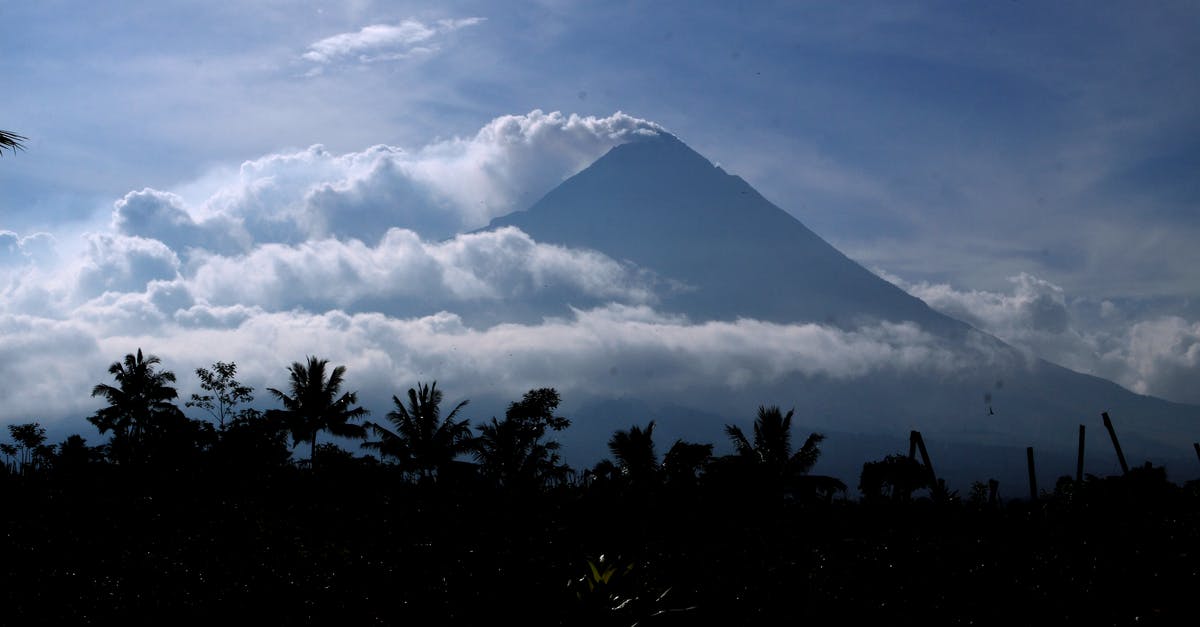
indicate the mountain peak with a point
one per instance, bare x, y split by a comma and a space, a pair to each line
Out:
663, 206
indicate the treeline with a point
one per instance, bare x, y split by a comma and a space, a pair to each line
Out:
178, 520
148, 431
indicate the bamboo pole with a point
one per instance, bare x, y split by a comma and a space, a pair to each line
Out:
1033, 491
1112, 433
1079, 462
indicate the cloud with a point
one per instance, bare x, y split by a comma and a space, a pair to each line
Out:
438, 190
632, 348
17, 250
384, 42
1162, 357
1034, 304
1156, 355
405, 275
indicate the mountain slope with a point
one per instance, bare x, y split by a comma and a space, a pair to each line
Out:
660, 205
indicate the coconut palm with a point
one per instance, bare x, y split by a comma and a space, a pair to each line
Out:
11, 141
634, 452
139, 406
423, 441
313, 405
772, 448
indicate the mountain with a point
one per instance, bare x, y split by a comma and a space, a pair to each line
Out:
729, 253
659, 204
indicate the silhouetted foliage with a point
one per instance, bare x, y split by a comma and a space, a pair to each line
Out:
423, 442
253, 443
313, 405
895, 478
633, 449
684, 463
225, 392
769, 463
146, 426
30, 452
514, 453
243, 536
11, 141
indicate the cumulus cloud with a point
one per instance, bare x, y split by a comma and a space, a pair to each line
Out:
404, 273
438, 190
1158, 355
18, 250
384, 42
116, 263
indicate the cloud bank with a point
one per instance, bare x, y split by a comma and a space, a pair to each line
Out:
1157, 355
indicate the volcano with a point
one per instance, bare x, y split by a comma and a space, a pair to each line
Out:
728, 253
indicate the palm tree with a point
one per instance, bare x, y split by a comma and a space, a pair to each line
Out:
770, 461
634, 452
11, 141
139, 406
313, 405
772, 448
423, 440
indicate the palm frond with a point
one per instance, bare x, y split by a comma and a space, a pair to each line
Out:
11, 141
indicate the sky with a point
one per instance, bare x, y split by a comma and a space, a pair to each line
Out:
262, 181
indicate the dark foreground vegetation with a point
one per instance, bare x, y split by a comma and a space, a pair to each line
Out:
181, 521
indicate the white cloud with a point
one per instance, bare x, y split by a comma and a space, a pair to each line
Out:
635, 349
446, 187
384, 42
1162, 357
1158, 355
403, 273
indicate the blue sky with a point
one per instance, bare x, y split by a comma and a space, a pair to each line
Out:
997, 159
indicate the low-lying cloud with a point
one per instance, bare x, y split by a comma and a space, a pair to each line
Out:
1157, 355
631, 348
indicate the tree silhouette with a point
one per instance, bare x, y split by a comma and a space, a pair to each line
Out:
770, 462
11, 141
684, 462
894, 477
513, 452
423, 441
29, 437
225, 392
313, 405
139, 406
634, 452
772, 448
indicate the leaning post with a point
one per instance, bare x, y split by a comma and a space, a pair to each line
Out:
1116, 443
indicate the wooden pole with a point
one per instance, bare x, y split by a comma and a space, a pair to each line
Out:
1112, 433
1079, 462
1033, 491
1196, 445
915, 439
